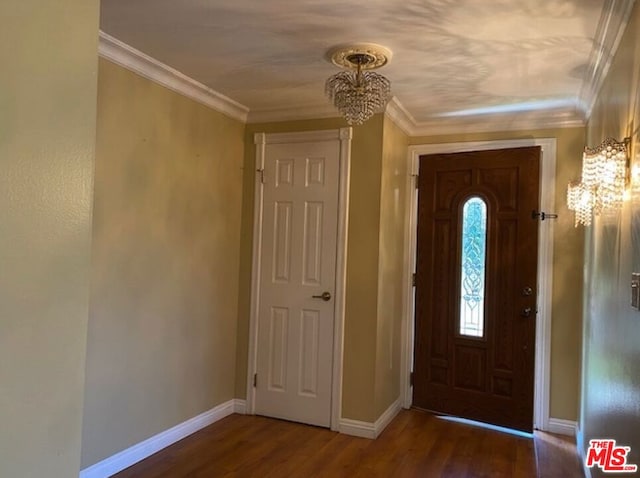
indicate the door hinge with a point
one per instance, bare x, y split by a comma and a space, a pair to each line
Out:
411, 379
413, 279
417, 182
261, 173
255, 380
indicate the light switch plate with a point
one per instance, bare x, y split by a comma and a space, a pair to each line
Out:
635, 290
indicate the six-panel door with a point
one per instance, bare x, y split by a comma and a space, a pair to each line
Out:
295, 329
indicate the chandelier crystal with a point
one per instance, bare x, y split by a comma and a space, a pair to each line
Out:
358, 93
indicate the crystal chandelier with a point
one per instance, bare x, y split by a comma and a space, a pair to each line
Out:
358, 93
604, 176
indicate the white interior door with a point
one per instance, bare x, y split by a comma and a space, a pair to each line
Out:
298, 262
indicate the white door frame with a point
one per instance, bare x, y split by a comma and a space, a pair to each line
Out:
344, 135
545, 264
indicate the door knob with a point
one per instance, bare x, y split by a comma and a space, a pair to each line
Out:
526, 312
527, 291
326, 296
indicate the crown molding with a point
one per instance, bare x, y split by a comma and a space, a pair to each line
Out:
401, 116
491, 123
611, 26
134, 60
296, 113
487, 123
395, 110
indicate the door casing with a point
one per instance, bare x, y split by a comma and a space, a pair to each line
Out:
344, 136
541, 417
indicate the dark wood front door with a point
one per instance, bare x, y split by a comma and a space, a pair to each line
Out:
476, 285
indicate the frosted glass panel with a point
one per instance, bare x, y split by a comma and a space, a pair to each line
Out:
472, 276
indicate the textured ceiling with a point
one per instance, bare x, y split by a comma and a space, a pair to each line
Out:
451, 58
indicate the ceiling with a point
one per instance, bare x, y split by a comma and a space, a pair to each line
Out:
455, 62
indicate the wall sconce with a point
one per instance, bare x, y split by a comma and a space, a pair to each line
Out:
604, 178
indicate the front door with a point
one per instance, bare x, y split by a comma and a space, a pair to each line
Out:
476, 285
298, 277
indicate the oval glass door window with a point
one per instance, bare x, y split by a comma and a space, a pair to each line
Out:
473, 267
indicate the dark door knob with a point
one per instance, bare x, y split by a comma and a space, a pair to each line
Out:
526, 312
326, 296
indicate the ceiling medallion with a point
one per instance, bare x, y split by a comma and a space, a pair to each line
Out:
358, 93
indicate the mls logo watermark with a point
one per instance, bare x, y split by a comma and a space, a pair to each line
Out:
609, 457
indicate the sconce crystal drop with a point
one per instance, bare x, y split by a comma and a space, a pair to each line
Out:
604, 173
580, 198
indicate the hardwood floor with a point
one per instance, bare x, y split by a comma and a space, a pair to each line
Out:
415, 444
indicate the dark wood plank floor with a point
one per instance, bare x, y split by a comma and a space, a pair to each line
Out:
415, 444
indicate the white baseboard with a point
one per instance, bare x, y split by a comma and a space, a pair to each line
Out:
370, 430
124, 459
239, 406
581, 451
357, 428
389, 414
562, 427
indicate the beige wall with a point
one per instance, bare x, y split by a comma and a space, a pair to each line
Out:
362, 260
47, 132
390, 265
246, 241
568, 244
370, 382
611, 368
165, 260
